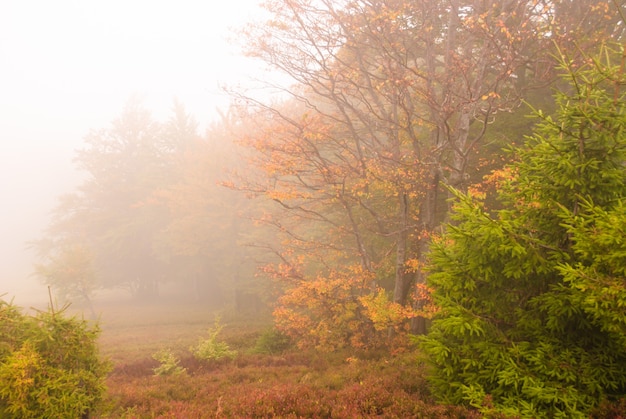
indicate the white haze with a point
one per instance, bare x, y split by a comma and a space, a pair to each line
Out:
69, 66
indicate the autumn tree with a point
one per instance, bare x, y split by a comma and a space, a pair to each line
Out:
391, 99
531, 296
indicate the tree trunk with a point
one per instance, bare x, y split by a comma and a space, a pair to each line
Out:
428, 216
403, 280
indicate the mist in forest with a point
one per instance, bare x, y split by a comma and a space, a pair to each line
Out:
70, 68
375, 180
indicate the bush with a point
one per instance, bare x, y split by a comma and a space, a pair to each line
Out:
210, 348
49, 365
272, 342
168, 363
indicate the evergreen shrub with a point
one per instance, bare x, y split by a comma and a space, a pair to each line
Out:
49, 365
212, 349
169, 364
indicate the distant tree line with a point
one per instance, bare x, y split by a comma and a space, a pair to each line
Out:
150, 211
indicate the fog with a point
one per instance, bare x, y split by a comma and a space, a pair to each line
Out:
68, 67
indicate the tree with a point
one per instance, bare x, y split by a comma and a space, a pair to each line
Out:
126, 164
391, 100
107, 216
151, 209
201, 238
531, 296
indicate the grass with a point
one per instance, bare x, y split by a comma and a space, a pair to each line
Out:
289, 384
131, 333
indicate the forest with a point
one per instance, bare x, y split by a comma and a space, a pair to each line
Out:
427, 220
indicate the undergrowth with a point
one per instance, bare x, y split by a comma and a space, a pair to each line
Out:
267, 378
290, 385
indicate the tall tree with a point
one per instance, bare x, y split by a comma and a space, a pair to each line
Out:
201, 238
391, 100
531, 297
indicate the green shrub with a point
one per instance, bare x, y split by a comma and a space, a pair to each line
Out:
168, 363
49, 365
272, 342
210, 349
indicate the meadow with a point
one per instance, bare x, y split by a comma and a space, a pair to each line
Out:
267, 378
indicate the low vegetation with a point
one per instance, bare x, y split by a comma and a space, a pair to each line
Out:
268, 378
263, 375
211, 348
49, 365
169, 364
154, 373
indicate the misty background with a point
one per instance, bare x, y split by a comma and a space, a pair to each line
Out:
68, 67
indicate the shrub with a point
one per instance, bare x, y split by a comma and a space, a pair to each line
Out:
168, 363
272, 342
210, 348
326, 312
49, 365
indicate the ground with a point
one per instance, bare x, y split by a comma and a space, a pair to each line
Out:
291, 383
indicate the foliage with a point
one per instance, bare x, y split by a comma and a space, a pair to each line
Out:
212, 349
272, 342
49, 365
169, 364
391, 100
531, 296
383, 313
610, 410
337, 311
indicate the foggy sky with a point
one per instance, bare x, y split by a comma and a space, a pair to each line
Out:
69, 66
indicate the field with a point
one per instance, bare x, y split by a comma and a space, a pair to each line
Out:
256, 383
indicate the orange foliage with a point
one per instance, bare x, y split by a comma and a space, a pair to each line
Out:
331, 312
384, 110
386, 314
423, 296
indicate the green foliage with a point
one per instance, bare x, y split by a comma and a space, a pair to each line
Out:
272, 341
168, 363
211, 349
49, 365
532, 296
